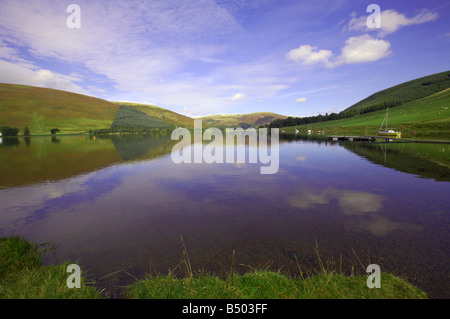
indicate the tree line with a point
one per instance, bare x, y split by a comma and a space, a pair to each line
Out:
292, 121
115, 130
14, 131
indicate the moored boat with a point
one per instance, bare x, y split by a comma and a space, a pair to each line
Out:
388, 132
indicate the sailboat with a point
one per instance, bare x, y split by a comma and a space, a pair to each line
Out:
387, 132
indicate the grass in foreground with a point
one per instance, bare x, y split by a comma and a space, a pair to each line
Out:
272, 285
22, 276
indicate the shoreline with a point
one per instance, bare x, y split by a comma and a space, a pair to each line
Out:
313, 136
23, 276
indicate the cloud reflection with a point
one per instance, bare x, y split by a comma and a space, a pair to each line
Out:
364, 208
351, 202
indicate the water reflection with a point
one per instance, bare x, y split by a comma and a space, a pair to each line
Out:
135, 147
424, 160
363, 207
9, 141
42, 159
350, 202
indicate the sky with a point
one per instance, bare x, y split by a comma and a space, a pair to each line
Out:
204, 57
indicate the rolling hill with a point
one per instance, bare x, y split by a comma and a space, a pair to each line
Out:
426, 118
418, 108
241, 120
42, 109
405, 92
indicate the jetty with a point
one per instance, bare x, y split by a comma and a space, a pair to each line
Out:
371, 138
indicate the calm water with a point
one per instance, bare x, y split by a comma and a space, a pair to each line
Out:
119, 206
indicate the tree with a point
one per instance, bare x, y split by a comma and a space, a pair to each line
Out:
54, 131
26, 131
9, 131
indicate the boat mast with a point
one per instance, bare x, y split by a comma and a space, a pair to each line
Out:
387, 111
385, 119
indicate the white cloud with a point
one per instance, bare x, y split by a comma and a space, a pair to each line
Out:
308, 55
358, 49
391, 21
14, 69
238, 96
363, 48
301, 100
30, 75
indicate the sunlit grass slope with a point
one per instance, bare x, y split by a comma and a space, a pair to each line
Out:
42, 109
406, 92
425, 118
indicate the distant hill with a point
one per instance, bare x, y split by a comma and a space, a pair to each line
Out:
403, 93
43, 109
241, 120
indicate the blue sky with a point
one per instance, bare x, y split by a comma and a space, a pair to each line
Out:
203, 57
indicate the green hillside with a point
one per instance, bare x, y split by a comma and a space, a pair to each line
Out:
169, 117
426, 118
42, 109
241, 120
130, 118
403, 93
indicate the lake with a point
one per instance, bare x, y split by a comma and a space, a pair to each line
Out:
121, 208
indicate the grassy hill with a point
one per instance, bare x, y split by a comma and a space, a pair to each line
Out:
406, 92
42, 109
169, 117
241, 120
426, 118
